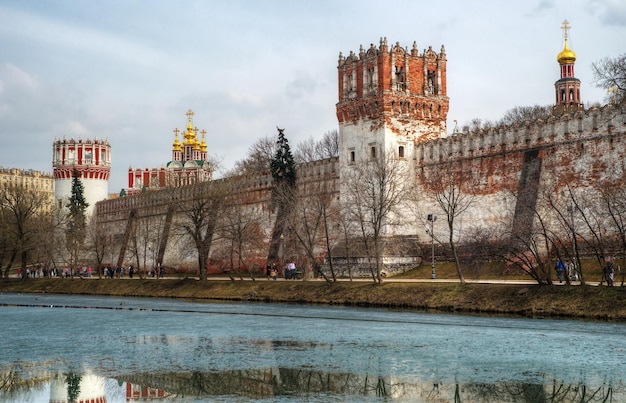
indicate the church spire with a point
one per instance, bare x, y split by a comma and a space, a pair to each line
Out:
567, 87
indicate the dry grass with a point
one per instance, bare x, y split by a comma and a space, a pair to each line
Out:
587, 302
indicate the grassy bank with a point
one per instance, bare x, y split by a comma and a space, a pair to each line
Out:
587, 302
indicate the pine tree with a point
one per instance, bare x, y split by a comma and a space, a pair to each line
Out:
77, 203
283, 166
283, 169
75, 232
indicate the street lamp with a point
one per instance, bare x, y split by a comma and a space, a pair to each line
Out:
570, 210
432, 218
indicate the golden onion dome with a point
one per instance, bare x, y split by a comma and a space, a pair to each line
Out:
176, 145
567, 56
203, 145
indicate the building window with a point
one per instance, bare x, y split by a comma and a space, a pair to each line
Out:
373, 152
352, 157
401, 151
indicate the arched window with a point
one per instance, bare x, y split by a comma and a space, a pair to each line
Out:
401, 151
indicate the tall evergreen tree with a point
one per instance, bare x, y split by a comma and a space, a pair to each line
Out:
283, 166
283, 169
75, 232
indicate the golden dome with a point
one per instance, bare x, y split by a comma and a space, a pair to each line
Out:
176, 145
203, 144
567, 56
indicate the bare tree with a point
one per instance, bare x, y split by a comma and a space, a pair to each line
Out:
375, 191
613, 196
515, 116
448, 185
241, 228
145, 241
610, 74
200, 216
529, 250
259, 157
305, 151
587, 207
328, 146
477, 124
521, 114
311, 150
97, 243
23, 210
310, 220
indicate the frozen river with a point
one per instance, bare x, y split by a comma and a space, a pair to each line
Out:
129, 349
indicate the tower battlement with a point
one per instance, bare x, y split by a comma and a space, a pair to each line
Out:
385, 83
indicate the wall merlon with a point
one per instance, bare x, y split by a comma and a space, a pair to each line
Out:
578, 127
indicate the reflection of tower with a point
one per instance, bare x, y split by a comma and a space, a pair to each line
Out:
567, 87
90, 389
137, 393
92, 160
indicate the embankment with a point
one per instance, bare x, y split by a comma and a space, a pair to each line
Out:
576, 302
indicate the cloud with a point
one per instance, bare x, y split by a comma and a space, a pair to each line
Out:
611, 12
48, 32
541, 7
302, 84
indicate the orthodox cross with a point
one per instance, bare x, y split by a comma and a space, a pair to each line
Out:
189, 115
565, 27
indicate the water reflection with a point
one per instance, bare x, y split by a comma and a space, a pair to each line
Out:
124, 349
30, 383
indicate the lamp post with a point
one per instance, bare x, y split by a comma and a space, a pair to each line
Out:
282, 253
432, 218
570, 210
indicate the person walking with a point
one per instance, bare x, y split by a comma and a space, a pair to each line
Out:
559, 270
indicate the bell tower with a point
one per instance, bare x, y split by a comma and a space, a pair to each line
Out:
390, 98
567, 87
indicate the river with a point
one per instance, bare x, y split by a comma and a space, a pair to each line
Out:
57, 348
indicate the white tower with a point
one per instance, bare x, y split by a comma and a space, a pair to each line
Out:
92, 159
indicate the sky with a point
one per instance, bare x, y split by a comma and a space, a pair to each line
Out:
128, 70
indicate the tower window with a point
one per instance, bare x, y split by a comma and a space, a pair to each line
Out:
399, 73
352, 157
370, 79
431, 82
401, 151
373, 152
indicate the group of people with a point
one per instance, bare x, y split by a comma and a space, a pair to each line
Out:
290, 271
566, 269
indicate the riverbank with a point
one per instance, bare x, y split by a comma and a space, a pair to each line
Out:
576, 302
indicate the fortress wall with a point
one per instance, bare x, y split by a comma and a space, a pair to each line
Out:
253, 191
585, 150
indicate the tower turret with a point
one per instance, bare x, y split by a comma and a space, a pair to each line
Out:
390, 98
567, 87
92, 160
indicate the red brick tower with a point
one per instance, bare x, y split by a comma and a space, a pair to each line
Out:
567, 87
390, 99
